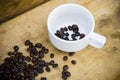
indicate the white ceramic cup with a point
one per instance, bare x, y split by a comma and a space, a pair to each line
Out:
69, 14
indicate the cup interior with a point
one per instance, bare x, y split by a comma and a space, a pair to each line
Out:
70, 14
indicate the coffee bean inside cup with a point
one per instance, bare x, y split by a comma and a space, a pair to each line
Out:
70, 33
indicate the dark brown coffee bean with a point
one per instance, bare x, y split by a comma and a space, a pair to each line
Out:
73, 62
70, 27
27, 42
55, 65
16, 48
58, 32
41, 54
31, 55
64, 77
47, 69
67, 73
65, 67
75, 28
73, 37
43, 78
46, 64
38, 45
15, 52
77, 34
51, 55
66, 38
65, 58
71, 53
28, 59
82, 36
46, 51
65, 29
62, 30
40, 70
66, 34
52, 62
10, 53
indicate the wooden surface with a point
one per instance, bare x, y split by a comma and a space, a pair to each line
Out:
13, 8
92, 63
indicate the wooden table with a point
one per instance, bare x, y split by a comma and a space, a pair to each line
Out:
92, 63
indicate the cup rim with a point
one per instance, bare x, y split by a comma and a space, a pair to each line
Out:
78, 5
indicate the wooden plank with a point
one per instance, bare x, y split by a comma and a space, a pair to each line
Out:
92, 63
12, 8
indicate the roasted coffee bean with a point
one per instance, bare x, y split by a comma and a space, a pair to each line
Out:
41, 54
66, 38
77, 34
75, 28
73, 62
28, 59
10, 53
70, 27
55, 65
31, 55
65, 29
46, 64
65, 58
71, 53
47, 69
43, 78
62, 30
46, 51
64, 77
40, 70
16, 48
66, 34
27, 42
38, 45
82, 36
58, 32
67, 73
51, 55
73, 37
52, 62
65, 67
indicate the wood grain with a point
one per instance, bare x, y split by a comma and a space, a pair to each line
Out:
92, 63
12, 8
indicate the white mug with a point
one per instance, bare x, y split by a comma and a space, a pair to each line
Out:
69, 14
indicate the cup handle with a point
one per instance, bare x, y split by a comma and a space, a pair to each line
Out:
97, 40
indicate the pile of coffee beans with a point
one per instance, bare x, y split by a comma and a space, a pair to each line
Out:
20, 67
64, 33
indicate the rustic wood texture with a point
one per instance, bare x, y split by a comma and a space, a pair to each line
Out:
13, 8
92, 63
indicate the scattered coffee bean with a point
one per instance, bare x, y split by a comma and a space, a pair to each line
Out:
73, 37
77, 34
55, 65
67, 73
70, 27
16, 48
38, 45
65, 67
46, 51
10, 53
51, 55
75, 28
66, 38
73, 62
65, 58
66, 34
71, 53
65, 29
47, 69
28, 59
52, 62
27, 42
43, 78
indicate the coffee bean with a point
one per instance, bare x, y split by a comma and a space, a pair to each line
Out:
70, 27
27, 42
71, 53
82, 36
40, 70
62, 30
51, 55
65, 29
73, 37
66, 34
65, 58
38, 45
75, 28
65, 67
46, 64
43, 78
41, 54
67, 73
73, 62
52, 62
10, 53
64, 77
66, 38
55, 65
77, 34
28, 59
16, 48
46, 51
47, 69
